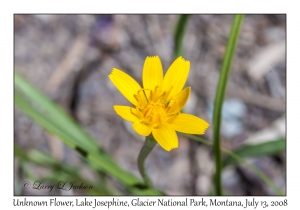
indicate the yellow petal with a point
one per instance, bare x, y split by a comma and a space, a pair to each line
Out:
127, 113
179, 100
152, 72
165, 136
125, 84
176, 77
187, 123
141, 128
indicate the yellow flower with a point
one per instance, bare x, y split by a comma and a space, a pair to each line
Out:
157, 105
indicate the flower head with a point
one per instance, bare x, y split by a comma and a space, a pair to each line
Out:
156, 105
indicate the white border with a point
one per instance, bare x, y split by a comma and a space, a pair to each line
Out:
8, 8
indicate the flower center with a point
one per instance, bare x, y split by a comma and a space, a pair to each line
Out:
152, 108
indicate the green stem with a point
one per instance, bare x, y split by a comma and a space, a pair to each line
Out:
220, 95
149, 144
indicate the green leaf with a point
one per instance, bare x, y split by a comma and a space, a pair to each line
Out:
240, 160
267, 148
220, 95
52, 118
60, 171
53, 112
179, 34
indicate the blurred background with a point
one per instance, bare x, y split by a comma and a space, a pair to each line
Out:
69, 58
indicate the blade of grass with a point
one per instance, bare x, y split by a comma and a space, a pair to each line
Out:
179, 34
267, 148
63, 170
72, 136
96, 158
220, 95
241, 160
256, 170
54, 112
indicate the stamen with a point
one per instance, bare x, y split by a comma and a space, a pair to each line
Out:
152, 107
145, 95
135, 114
